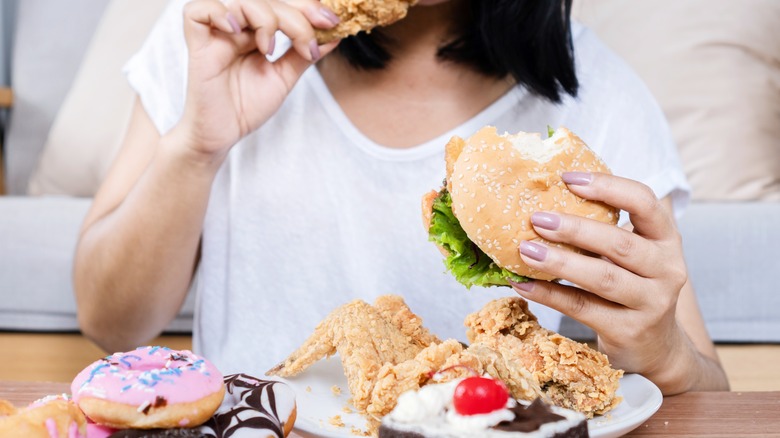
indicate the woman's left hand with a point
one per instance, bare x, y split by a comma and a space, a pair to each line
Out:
629, 295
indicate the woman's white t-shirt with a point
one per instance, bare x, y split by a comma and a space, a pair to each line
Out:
307, 213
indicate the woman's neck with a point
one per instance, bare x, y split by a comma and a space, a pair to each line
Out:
388, 104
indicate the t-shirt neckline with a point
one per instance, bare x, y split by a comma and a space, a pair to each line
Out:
487, 116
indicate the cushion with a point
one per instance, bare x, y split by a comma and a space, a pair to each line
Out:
47, 51
714, 66
89, 127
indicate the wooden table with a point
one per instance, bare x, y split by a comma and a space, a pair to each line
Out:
712, 414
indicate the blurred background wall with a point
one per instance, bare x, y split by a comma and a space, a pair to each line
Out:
7, 14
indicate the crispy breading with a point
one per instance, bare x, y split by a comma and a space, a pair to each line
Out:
359, 15
394, 309
6, 408
385, 351
570, 373
426, 205
366, 337
395, 379
521, 383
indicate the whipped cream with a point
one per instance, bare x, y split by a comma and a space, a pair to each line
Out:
429, 411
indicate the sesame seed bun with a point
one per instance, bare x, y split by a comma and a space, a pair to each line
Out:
497, 181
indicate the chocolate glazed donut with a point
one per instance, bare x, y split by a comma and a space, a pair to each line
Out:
253, 404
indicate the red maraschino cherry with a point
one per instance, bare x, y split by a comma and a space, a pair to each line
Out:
479, 395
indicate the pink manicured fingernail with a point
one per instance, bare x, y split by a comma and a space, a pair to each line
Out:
577, 178
548, 221
233, 23
330, 16
526, 286
315, 50
533, 250
272, 45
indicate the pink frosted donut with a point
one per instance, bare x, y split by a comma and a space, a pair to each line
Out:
150, 387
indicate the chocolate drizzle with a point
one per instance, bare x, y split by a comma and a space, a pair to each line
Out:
529, 418
248, 411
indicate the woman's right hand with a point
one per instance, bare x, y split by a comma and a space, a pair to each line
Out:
232, 87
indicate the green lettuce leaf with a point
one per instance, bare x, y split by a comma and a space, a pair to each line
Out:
466, 261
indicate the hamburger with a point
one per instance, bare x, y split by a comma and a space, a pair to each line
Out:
361, 15
493, 184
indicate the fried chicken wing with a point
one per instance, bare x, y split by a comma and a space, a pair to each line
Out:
366, 337
394, 309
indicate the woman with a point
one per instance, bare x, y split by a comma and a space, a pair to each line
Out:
289, 189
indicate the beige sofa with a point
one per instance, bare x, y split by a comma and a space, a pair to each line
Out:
713, 65
70, 107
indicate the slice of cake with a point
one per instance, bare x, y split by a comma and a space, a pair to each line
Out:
477, 407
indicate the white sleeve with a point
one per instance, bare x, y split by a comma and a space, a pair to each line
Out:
618, 117
158, 71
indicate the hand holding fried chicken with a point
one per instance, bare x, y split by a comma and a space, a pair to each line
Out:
228, 44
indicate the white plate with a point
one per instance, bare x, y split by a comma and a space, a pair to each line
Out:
641, 399
322, 395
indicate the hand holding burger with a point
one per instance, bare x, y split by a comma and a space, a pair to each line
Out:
494, 184
516, 209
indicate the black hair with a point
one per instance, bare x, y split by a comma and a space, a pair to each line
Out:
527, 39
